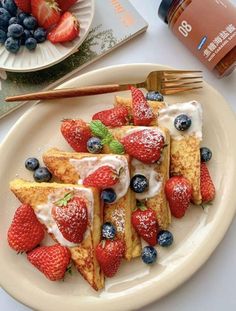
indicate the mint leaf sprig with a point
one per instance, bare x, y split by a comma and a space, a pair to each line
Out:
100, 130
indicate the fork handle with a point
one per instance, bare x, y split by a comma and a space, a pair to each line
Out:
72, 92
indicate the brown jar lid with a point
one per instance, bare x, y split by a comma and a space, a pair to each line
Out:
164, 9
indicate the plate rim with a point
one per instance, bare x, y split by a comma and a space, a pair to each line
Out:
203, 256
38, 68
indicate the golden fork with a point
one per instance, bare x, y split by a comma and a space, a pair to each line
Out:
167, 82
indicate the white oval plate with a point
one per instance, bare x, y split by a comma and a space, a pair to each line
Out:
135, 285
47, 54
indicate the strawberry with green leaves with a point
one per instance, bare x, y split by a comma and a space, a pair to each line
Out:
25, 232
71, 216
145, 223
117, 116
142, 112
52, 261
178, 190
46, 12
109, 254
103, 177
144, 145
206, 184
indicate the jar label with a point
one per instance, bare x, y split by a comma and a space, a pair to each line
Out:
208, 29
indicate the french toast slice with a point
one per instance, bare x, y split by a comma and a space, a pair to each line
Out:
69, 167
184, 152
159, 173
40, 196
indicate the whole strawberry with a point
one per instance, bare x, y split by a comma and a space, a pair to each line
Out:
24, 5
46, 12
71, 216
25, 232
64, 5
114, 117
77, 133
178, 192
142, 112
52, 261
144, 221
206, 184
109, 254
144, 145
104, 177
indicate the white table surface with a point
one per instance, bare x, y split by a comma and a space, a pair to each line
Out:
213, 286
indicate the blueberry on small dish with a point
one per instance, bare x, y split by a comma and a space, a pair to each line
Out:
149, 255
42, 174
154, 96
139, 183
30, 44
108, 231
108, 195
182, 122
206, 154
165, 238
31, 164
12, 45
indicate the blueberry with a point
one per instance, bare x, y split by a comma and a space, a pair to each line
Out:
165, 238
30, 23
108, 231
42, 174
13, 20
40, 35
15, 31
21, 16
139, 183
10, 6
12, 45
3, 36
31, 164
31, 44
25, 36
108, 195
182, 122
4, 18
149, 255
94, 145
206, 154
154, 96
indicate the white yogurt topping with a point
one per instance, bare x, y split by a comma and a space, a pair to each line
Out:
192, 109
43, 212
155, 180
88, 165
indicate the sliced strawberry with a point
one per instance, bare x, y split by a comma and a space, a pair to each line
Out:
71, 216
144, 145
66, 30
52, 261
114, 117
109, 254
178, 192
25, 232
46, 12
104, 177
145, 223
142, 112
76, 133
64, 5
24, 5
206, 184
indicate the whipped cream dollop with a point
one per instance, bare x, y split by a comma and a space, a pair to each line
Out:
44, 212
192, 109
88, 165
154, 179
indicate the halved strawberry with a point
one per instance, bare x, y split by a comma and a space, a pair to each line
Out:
46, 12
114, 117
206, 183
65, 4
24, 5
66, 30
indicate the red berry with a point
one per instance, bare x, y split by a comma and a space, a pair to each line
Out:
142, 112
64, 5
144, 145
104, 177
206, 184
114, 117
25, 232
109, 254
66, 30
77, 133
52, 261
24, 5
178, 192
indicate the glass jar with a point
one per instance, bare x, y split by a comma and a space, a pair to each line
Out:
207, 28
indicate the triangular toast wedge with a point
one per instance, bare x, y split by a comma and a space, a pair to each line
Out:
184, 152
40, 196
73, 167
